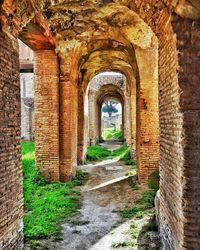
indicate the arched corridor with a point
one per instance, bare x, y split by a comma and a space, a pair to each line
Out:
155, 45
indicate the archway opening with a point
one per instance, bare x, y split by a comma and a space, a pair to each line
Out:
111, 120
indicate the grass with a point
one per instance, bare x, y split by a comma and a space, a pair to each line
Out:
97, 153
142, 206
47, 205
130, 212
123, 244
145, 202
124, 154
112, 133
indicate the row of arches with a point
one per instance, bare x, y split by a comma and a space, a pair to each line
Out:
155, 47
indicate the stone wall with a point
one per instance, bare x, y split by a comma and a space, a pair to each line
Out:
11, 209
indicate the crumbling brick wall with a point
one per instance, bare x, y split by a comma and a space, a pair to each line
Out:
178, 112
188, 45
11, 209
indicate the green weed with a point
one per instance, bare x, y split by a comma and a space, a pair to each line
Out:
97, 153
123, 244
112, 133
130, 212
151, 225
47, 205
154, 179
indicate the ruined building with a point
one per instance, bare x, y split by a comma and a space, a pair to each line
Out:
156, 45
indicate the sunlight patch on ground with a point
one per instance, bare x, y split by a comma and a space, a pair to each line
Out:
103, 163
122, 235
109, 182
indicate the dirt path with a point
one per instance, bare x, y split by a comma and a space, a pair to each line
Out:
106, 191
98, 226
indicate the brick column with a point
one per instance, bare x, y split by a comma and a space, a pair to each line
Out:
126, 113
11, 208
188, 47
133, 114
68, 115
80, 150
92, 118
148, 116
47, 113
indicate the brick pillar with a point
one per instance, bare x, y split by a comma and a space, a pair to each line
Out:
126, 114
92, 118
80, 151
47, 113
11, 208
148, 117
188, 45
68, 115
133, 114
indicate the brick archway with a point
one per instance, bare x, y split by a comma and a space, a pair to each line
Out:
178, 110
106, 92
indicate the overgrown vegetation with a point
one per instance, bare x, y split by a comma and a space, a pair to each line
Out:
46, 204
130, 212
112, 134
145, 201
123, 244
143, 206
97, 153
124, 154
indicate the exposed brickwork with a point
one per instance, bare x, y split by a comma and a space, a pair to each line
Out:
68, 115
47, 114
81, 130
188, 45
93, 119
171, 152
178, 100
11, 208
147, 107
133, 112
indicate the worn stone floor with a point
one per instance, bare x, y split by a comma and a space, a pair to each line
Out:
106, 191
98, 225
